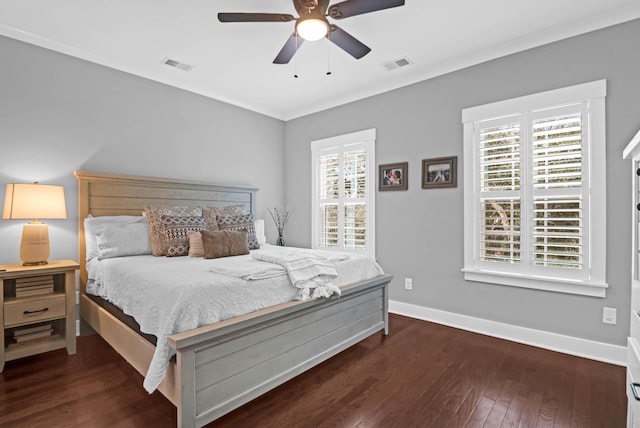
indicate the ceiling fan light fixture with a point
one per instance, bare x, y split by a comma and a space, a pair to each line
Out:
312, 29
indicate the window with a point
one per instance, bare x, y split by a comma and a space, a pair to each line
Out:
535, 197
343, 192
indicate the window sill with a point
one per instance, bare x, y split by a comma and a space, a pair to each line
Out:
582, 288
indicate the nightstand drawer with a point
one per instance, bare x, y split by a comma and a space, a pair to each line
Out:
31, 310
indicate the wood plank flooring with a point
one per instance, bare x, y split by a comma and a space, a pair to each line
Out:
421, 375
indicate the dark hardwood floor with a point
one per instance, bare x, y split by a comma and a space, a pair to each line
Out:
421, 375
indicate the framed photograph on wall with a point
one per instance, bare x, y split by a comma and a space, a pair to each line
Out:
393, 176
439, 172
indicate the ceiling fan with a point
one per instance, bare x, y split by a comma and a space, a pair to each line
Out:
312, 23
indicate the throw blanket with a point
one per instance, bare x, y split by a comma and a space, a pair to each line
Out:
249, 269
306, 272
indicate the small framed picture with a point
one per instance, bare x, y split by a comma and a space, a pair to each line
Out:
393, 176
439, 172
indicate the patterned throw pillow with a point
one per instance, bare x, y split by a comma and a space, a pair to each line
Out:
240, 222
176, 232
211, 214
156, 236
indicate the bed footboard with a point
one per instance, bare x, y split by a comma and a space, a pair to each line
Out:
224, 367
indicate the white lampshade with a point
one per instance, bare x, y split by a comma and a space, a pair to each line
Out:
34, 201
312, 29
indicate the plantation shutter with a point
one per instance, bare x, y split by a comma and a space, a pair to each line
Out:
343, 192
531, 189
535, 191
557, 158
355, 207
329, 173
499, 144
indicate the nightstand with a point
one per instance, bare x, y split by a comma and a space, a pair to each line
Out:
37, 309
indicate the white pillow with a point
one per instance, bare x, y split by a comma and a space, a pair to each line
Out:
259, 226
91, 223
122, 239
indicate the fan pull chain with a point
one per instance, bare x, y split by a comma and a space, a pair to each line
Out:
328, 59
295, 58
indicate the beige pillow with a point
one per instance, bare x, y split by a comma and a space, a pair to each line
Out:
156, 235
224, 243
195, 245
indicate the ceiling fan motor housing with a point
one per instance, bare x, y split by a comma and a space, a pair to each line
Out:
311, 7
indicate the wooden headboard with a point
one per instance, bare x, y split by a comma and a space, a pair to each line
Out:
113, 194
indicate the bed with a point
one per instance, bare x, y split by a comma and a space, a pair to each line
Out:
221, 366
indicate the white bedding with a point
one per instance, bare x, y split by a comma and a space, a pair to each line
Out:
168, 295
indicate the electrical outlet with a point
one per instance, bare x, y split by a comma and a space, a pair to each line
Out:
609, 315
408, 284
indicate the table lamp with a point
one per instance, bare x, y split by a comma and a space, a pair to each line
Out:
34, 201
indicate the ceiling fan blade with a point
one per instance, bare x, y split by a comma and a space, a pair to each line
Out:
289, 49
347, 42
349, 8
255, 17
323, 5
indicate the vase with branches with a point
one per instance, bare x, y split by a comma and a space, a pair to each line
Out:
280, 218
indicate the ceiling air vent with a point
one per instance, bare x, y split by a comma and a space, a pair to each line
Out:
397, 63
177, 64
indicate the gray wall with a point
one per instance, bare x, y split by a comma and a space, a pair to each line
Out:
59, 114
420, 232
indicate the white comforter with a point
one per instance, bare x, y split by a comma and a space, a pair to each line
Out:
169, 295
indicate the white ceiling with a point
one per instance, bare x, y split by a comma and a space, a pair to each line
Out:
232, 62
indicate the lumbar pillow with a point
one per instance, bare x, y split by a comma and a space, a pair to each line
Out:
224, 243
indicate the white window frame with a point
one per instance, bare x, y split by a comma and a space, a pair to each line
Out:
340, 144
594, 179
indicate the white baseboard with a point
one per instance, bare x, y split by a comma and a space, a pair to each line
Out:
598, 351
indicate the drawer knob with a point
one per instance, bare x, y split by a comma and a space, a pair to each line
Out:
638, 171
634, 389
638, 207
39, 311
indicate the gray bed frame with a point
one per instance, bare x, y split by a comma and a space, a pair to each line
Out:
220, 367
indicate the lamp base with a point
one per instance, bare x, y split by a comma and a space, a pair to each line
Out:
35, 263
34, 248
